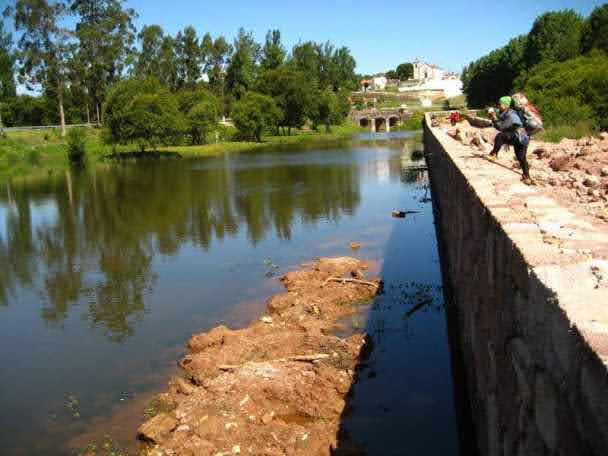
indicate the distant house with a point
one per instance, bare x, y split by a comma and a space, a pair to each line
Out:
375, 83
424, 71
380, 82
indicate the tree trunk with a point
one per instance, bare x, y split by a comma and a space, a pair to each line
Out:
88, 115
97, 108
61, 113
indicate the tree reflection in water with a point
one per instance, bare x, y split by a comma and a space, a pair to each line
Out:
95, 235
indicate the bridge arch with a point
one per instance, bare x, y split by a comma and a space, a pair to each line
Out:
380, 124
393, 121
364, 122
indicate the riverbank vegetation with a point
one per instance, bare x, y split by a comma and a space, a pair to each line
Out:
561, 64
148, 90
36, 153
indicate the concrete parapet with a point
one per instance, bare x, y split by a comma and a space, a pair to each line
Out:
529, 300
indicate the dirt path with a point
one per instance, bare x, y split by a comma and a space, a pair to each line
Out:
277, 387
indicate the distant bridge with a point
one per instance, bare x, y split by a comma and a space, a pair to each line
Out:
380, 119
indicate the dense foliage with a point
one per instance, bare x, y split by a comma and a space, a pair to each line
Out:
558, 64
254, 113
90, 64
572, 91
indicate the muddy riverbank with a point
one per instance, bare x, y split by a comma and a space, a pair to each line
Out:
277, 386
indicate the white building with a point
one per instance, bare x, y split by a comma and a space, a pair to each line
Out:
424, 71
379, 82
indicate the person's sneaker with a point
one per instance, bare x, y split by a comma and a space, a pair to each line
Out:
492, 157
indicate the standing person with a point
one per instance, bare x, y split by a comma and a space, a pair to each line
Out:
512, 132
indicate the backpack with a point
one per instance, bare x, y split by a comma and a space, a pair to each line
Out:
528, 113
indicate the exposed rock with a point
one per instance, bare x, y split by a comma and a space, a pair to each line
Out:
157, 429
262, 389
591, 181
183, 386
217, 336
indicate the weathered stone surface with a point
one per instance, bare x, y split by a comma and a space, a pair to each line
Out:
532, 322
157, 429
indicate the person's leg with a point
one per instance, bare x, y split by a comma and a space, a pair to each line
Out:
498, 143
520, 153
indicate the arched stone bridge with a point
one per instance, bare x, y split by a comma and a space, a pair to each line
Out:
379, 119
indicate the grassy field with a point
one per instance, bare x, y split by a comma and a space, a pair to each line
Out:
36, 153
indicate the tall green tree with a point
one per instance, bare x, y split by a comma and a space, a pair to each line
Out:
168, 64
219, 51
306, 58
405, 71
7, 65
343, 66
45, 48
555, 37
149, 58
493, 75
273, 53
595, 31
293, 93
188, 52
242, 67
106, 35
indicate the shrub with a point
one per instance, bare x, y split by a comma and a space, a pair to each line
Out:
202, 110
142, 112
571, 91
253, 114
33, 157
76, 143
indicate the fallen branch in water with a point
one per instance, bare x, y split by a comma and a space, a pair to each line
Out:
343, 280
300, 358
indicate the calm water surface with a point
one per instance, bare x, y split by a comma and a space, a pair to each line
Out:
105, 275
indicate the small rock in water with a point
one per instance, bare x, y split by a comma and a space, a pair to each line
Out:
355, 245
399, 214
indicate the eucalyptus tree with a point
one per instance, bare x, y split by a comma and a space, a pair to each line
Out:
189, 58
219, 51
7, 65
148, 59
106, 35
45, 48
167, 62
242, 67
273, 53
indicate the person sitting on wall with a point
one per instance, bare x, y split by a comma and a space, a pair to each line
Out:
512, 132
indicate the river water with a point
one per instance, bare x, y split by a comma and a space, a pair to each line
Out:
105, 274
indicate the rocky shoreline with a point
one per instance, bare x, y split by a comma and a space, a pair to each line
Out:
277, 387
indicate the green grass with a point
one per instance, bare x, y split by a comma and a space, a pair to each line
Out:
34, 154
556, 133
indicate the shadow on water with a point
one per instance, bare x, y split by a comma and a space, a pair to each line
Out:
403, 401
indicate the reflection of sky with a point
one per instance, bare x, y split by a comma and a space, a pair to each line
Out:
3, 215
198, 286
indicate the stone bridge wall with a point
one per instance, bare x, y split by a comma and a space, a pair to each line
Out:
379, 118
527, 319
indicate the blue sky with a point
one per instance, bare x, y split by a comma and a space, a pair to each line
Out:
380, 34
